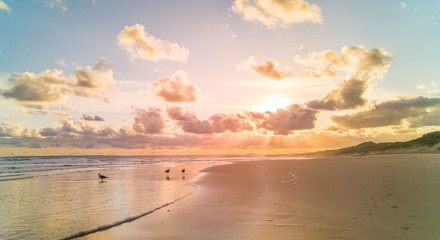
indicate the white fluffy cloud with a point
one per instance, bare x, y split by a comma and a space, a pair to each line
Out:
176, 88
16, 130
139, 44
4, 7
277, 13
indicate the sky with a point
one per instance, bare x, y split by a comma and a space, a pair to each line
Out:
95, 77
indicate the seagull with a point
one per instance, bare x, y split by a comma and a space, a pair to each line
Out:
102, 177
167, 171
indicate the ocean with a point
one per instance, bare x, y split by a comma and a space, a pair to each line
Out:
63, 198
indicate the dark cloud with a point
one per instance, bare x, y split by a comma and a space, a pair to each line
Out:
362, 68
285, 121
148, 121
48, 86
419, 111
34, 90
48, 132
92, 118
348, 95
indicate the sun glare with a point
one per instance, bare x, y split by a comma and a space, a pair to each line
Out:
273, 103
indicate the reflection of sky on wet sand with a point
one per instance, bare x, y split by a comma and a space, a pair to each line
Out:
58, 205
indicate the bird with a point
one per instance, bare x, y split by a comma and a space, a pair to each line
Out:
102, 177
167, 171
183, 170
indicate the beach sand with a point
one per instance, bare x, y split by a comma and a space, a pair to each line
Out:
363, 197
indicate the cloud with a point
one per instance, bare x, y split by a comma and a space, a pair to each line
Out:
356, 61
217, 123
176, 88
78, 130
139, 44
348, 95
92, 82
48, 132
362, 67
277, 13
286, 121
417, 112
422, 87
62, 4
4, 7
91, 118
61, 62
178, 114
148, 121
282, 122
15, 130
33, 90
319, 74
270, 70
48, 86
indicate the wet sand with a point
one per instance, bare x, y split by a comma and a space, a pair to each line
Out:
365, 197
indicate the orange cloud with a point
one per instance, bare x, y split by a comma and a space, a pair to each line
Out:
139, 44
270, 70
217, 123
277, 13
176, 88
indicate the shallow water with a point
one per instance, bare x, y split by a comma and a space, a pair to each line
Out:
55, 198
62, 197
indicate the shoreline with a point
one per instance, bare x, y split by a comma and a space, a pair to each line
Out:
195, 173
368, 197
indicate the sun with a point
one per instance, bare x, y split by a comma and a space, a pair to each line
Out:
273, 103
